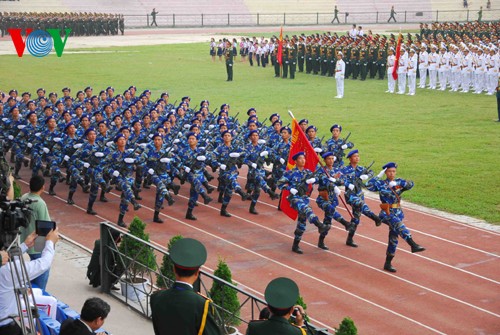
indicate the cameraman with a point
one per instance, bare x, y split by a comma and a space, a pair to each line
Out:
39, 211
34, 268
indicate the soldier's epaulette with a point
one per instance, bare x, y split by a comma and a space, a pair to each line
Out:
207, 298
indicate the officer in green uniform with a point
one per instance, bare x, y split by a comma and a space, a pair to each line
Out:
308, 56
330, 52
301, 52
180, 310
381, 62
317, 55
274, 60
286, 61
363, 61
292, 58
355, 62
372, 60
228, 54
281, 295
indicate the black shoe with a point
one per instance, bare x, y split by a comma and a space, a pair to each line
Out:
70, 201
252, 209
209, 188
244, 196
296, 248
219, 199
103, 199
223, 211
350, 241
26, 162
387, 264
414, 246
273, 195
16, 176
189, 215
122, 224
156, 217
170, 201
91, 211
136, 205
137, 196
321, 243
206, 199
52, 192
176, 188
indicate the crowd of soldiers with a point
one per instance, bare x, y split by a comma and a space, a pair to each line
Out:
81, 24
372, 55
130, 141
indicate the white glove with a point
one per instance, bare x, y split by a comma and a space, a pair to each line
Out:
293, 191
57, 139
143, 145
234, 154
223, 166
151, 135
253, 165
261, 141
109, 143
187, 169
86, 165
201, 158
187, 125
77, 146
46, 150
165, 160
66, 158
392, 183
381, 173
310, 180
116, 173
4, 119
211, 126
333, 180
202, 148
29, 145
38, 134
206, 131
180, 134
129, 160
351, 187
113, 123
344, 146
10, 137
318, 150
151, 171
282, 161
176, 141
264, 153
21, 126
336, 190
99, 154
363, 177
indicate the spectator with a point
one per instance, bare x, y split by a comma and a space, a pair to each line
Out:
94, 313
94, 267
466, 4
488, 4
39, 211
34, 268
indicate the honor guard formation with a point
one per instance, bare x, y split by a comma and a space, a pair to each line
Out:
81, 24
446, 56
130, 141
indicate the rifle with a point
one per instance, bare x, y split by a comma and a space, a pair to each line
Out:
347, 137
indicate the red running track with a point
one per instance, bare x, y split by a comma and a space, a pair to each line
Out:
451, 288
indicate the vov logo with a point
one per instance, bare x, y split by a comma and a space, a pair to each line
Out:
39, 42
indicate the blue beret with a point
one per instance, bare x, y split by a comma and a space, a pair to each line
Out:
277, 121
252, 117
157, 135
102, 122
251, 121
222, 111
300, 153
253, 132
98, 112
186, 98
223, 105
79, 92
194, 119
203, 101
287, 129
40, 89
193, 126
327, 154
134, 122
335, 126
250, 110
169, 115
164, 94
117, 115
390, 165
179, 108
304, 121
49, 118
68, 125
88, 131
31, 102
42, 98
66, 89
110, 88
87, 88
132, 86
47, 107
25, 93
65, 112
189, 134
352, 152
145, 116
273, 115
311, 127
29, 114
123, 128
225, 132
14, 107
117, 137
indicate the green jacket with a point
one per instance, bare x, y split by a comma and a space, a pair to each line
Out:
180, 311
39, 211
274, 326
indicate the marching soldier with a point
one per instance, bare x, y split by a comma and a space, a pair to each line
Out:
337, 145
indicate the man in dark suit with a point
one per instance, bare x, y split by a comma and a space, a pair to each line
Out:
281, 296
180, 310
94, 312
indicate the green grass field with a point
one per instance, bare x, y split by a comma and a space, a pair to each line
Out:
445, 142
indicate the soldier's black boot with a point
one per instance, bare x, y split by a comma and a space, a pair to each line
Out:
206, 199
51, 187
322, 228
208, 175
137, 196
321, 243
376, 218
223, 211
46, 172
70, 198
244, 196
17, 169
347, 225
189, 214
273, 195
156, 217
103, 198
209, 188
12, 158
350, 236
175, 188
296, 248
221, 196
90, 209
135, 204
170, 200
120, 221
85, 188
26, 162
414, 246
387, 265
252, 208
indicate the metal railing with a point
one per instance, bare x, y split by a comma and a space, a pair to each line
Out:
297, 19
115, 266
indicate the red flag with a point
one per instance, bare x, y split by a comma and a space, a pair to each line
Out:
279, 56
398, 55
299, 143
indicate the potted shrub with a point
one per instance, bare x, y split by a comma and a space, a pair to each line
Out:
138, 260
167, 277
226, 298
346, 327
